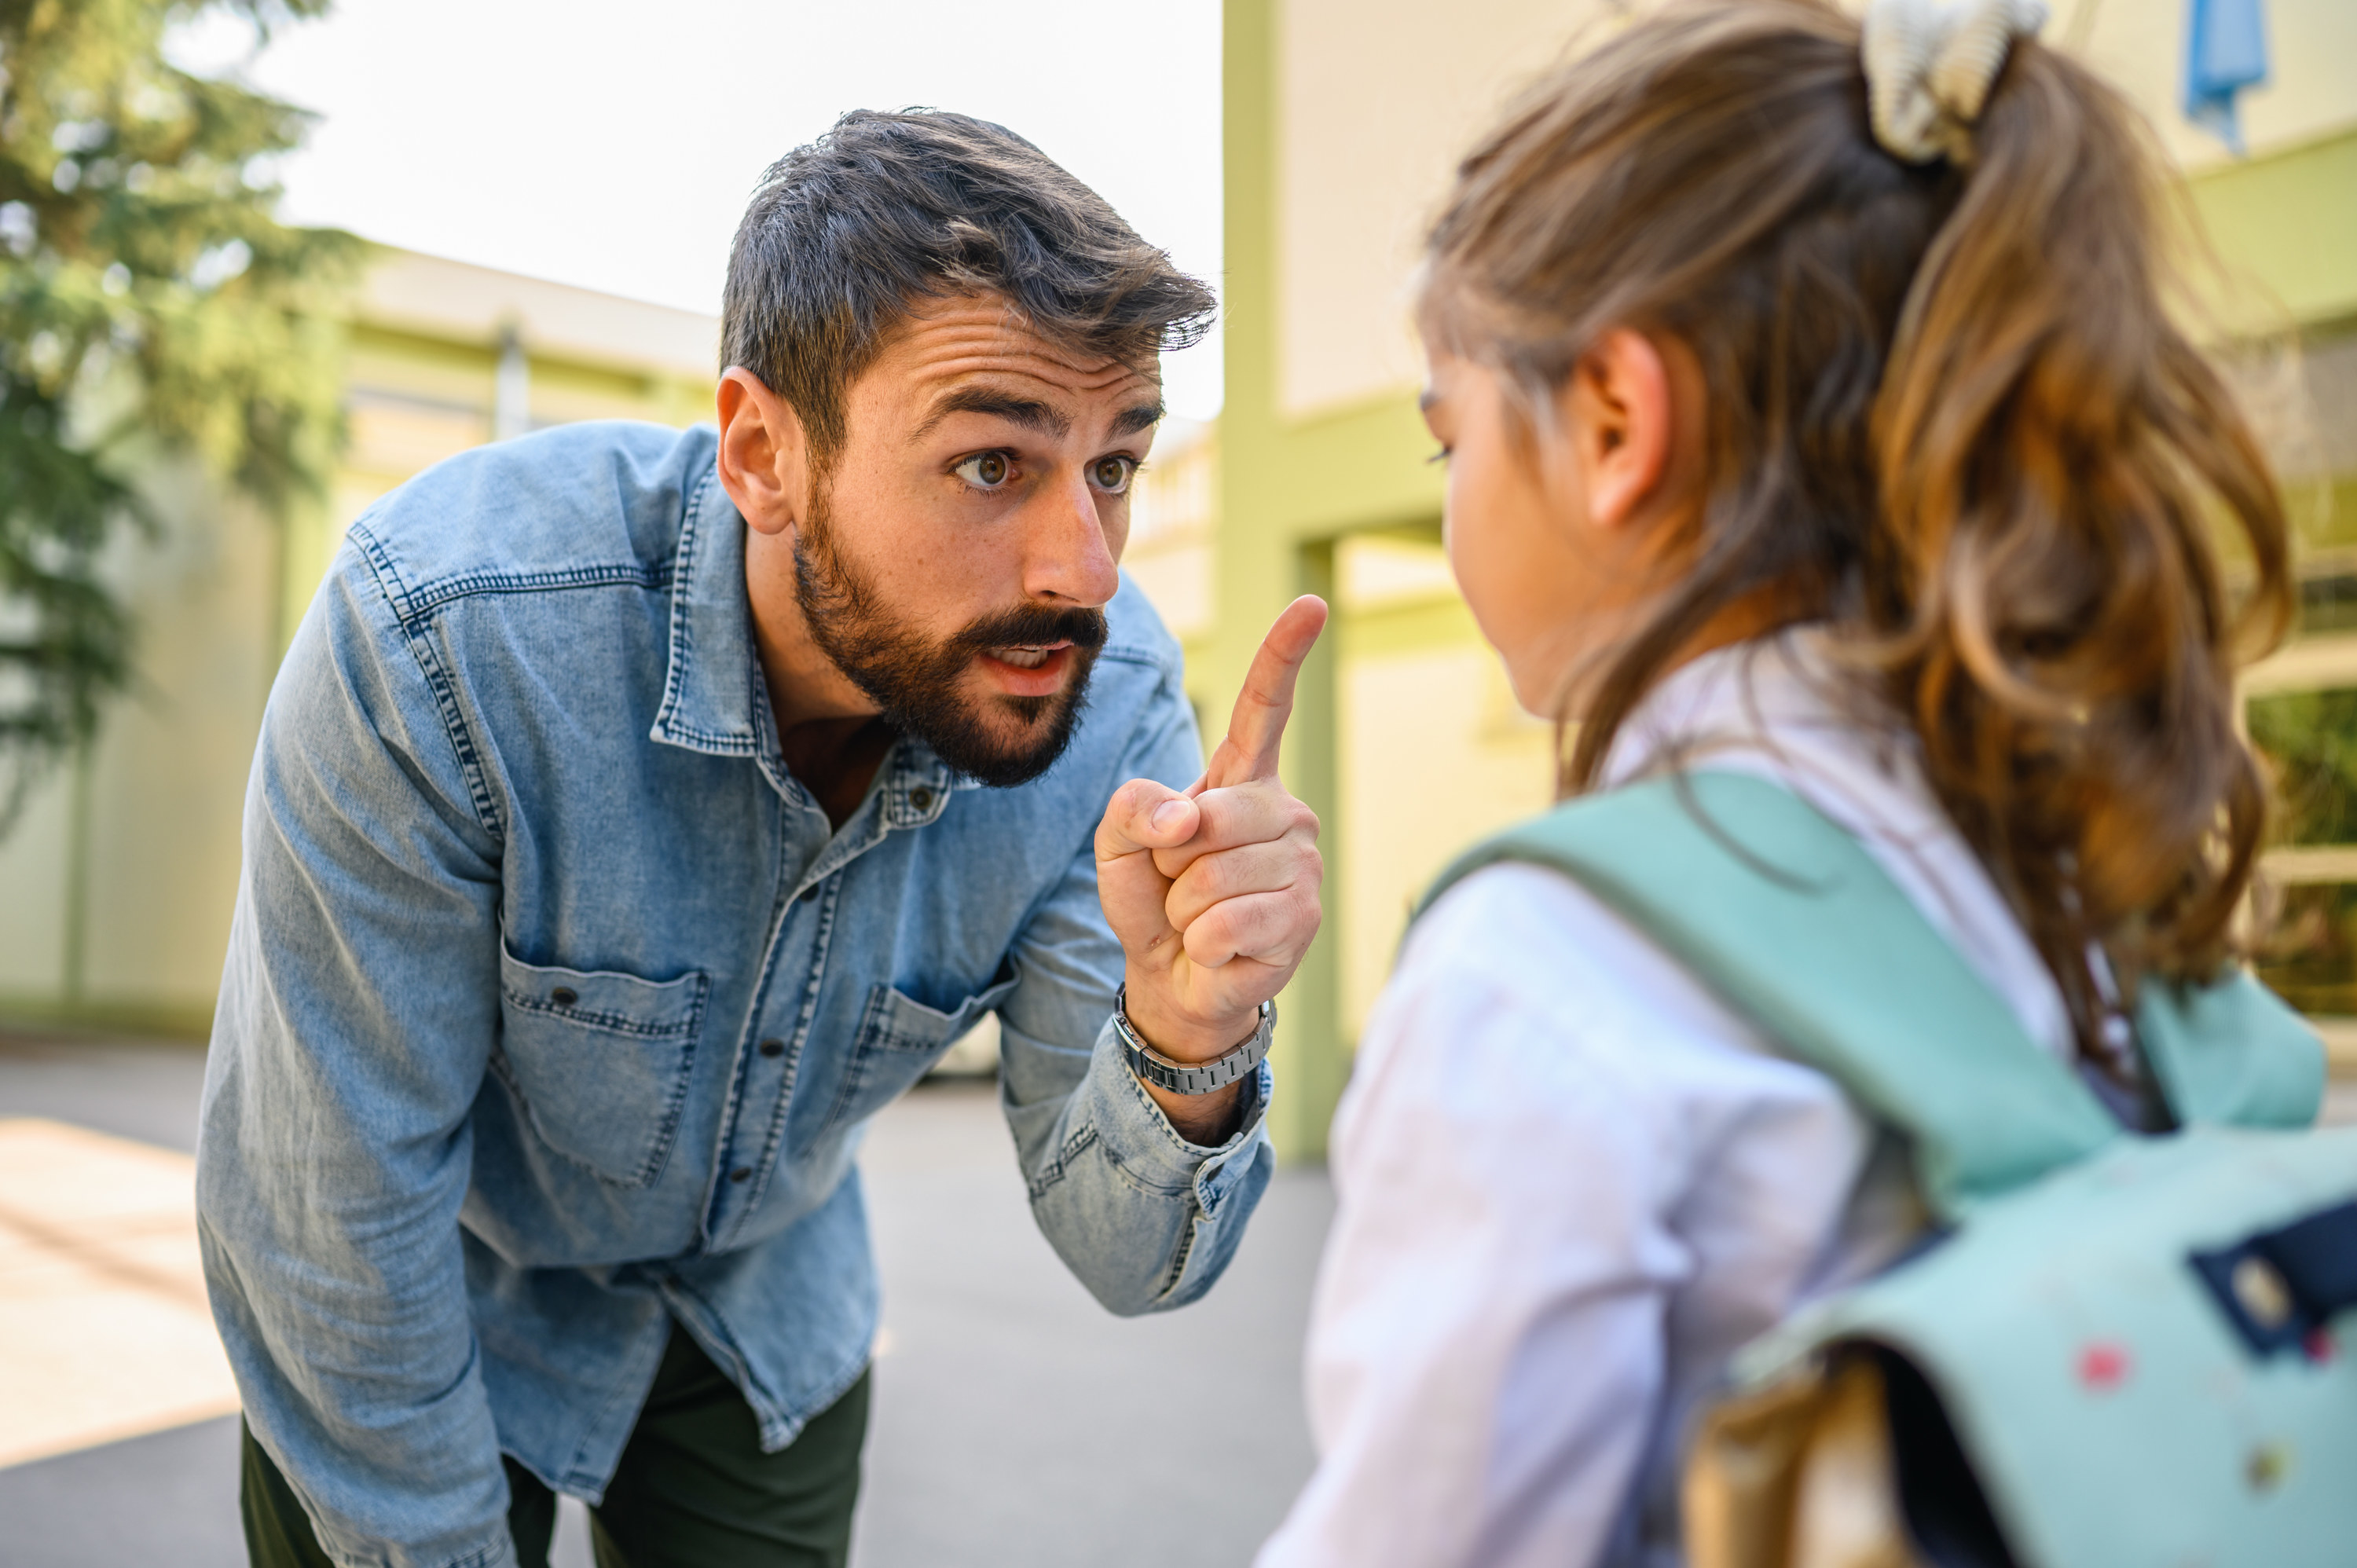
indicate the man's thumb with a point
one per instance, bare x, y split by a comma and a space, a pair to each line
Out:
1142, 817
1144, 814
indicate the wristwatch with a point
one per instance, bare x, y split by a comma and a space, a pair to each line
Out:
1192, 1078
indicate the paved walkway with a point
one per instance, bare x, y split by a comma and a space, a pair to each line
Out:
1015, 1423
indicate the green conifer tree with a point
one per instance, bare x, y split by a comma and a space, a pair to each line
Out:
150, 302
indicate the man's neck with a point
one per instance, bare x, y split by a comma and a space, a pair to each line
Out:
836, 760
828, 730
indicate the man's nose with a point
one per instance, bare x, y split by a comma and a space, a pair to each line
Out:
1067, 556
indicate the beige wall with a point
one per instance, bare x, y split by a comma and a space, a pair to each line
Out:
163, 787
1378, 98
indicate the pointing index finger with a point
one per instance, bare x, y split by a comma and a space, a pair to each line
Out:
1256, 729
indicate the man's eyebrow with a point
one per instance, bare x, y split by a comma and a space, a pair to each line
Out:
1029, 413
1145, 416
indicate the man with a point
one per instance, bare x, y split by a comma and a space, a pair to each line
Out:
637, 813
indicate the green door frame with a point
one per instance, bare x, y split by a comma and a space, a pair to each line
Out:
1290, 491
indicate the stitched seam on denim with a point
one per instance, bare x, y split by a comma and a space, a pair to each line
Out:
623, 1396
637, 575
854, 1074
666, 1130
1179, 1259
717, 1321
672, 1282
837, 1384
1054, 1170
774, 1137
438, 682
1186, 1189
613, 1022
668, 1133
683, 645
744, 1064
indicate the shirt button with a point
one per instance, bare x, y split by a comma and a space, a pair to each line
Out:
773, 1047
922, 799
742, 1173
565, 996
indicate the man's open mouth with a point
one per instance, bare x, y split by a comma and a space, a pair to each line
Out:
1028, 657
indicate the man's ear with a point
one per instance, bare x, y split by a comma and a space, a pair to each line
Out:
1618, 418
764, 452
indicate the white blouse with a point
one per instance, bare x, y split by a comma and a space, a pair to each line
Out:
1571, 1183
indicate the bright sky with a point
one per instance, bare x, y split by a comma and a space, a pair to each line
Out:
614, 146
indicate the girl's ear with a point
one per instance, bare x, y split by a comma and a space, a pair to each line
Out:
1619, 423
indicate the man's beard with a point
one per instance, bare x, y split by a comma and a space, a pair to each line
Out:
917, 683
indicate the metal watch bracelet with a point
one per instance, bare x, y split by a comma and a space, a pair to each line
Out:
1192, 1078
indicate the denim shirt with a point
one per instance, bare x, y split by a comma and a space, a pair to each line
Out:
554, 1005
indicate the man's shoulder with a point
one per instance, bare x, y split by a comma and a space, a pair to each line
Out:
1135, 632
579, 504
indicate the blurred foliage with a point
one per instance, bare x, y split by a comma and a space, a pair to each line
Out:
2308, 955
150, 302
2310, 952
2311, 740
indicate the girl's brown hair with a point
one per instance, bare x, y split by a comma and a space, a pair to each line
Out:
1948, 414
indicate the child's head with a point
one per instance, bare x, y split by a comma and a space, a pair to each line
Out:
1712, 359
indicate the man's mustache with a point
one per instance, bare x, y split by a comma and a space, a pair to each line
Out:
1031, 627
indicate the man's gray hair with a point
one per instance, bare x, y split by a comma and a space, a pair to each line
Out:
847, 235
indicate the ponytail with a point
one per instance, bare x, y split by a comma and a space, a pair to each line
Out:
2050, 456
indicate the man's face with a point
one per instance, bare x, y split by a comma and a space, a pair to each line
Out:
955, 562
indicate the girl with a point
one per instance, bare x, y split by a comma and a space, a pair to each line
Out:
1811, 410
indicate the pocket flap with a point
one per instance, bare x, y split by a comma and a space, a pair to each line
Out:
897, 1021
602, 999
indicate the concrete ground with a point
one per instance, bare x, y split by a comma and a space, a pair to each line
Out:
1015, 1421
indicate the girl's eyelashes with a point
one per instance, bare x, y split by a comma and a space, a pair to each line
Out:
1442, 455
985, 470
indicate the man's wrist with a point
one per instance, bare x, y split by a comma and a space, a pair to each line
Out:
1197, 1077
1180, 1038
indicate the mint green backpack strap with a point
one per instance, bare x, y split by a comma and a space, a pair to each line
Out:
2232, 1054
1792, 922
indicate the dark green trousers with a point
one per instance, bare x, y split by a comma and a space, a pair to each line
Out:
692, 1491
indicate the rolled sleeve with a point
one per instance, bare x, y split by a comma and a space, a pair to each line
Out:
1143, 1218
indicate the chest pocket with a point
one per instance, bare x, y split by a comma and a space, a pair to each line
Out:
598, 1061
898, 1039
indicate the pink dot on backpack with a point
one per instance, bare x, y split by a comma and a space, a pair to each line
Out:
2319, 1346
2103, 1366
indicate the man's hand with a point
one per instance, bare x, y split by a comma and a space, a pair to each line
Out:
1213, 891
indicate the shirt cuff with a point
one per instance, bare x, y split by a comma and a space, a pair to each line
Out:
1141, 1137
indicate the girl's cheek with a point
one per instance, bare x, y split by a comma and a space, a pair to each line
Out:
1479, 556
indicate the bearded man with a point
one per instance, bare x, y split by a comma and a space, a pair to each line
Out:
638, 812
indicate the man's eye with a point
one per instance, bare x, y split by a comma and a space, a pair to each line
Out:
985, 470
1112, 475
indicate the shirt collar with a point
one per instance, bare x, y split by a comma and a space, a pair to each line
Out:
714, 699
710, 690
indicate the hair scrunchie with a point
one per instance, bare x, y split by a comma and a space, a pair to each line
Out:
1928, 66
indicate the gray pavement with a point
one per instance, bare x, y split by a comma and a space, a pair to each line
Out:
1016, 1422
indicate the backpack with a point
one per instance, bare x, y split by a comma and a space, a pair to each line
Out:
2114, 1349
